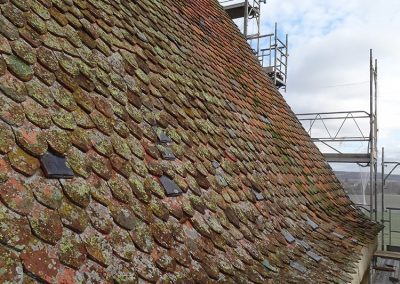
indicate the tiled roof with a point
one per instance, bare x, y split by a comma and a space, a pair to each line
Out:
146, 99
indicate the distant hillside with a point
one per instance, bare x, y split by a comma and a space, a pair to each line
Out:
353, 182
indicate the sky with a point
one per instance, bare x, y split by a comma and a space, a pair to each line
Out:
329, 43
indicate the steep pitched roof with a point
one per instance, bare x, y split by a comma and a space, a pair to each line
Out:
145, 98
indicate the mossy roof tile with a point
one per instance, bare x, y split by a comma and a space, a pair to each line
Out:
46, 224
97, 82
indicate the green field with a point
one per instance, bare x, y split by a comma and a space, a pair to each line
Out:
391, 200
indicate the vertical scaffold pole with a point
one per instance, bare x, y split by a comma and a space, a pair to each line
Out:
371, 162
275, 51
376, 136
383, 199
258, 18
246, 18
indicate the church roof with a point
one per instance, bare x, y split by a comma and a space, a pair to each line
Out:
140, 141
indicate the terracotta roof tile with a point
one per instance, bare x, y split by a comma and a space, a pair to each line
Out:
15, 232
97, 246
46, 269
47, 192
73, 216
8, 29
23, 162
134, 93
71, 250
45, 224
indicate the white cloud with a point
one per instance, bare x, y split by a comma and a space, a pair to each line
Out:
329, 46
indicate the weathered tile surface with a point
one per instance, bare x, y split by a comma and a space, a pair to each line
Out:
136, 93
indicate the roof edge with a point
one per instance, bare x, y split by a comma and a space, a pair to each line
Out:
363, 265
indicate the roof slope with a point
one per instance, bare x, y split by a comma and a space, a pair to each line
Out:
134, 91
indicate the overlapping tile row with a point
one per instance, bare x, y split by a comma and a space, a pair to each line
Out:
146, 99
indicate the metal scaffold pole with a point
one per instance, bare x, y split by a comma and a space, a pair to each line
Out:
383, 199
275, 53
371, 163
376, 136
246, 18
330, 136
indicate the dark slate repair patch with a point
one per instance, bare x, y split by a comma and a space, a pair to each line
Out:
221, 180
268, 265
220, 171
162, 136
215, 164
220, 177
313, 225
338, 235
202, 22
288, 236
55, 166
296, 265
171, 188
314, 256
230, 105
259, 196
232, 133
166, 153
303, 244
244, 118
264, 119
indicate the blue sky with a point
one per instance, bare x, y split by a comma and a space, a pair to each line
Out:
329, 58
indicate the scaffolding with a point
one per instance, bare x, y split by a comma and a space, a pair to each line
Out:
274, 60
389, 254
274, 57
330, 137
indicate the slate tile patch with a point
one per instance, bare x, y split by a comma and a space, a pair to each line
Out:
288, 236
304, 244
314, 256
221, 180
215, 164
298, 266
264, 119
55, 166
166, 153
313, 225
162, 136
270, 267
340, 236
259, 196
170, 187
